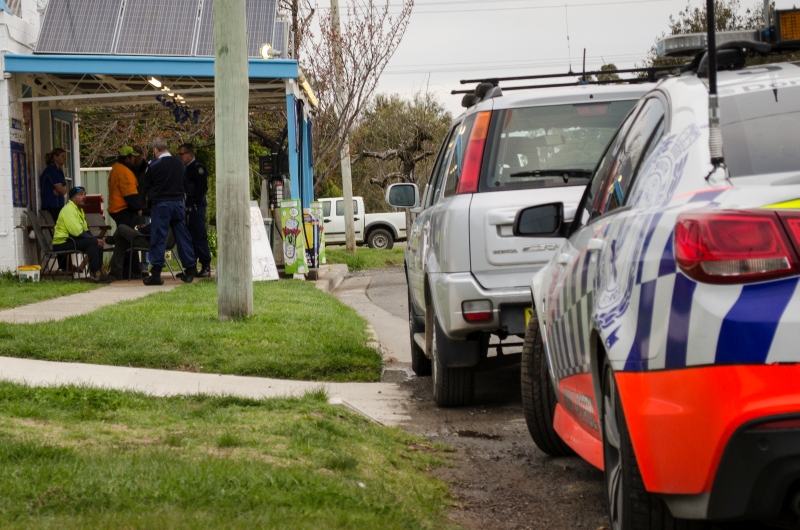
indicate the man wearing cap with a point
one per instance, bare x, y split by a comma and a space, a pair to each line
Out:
196, 189
72, 233
124, 202
166, 191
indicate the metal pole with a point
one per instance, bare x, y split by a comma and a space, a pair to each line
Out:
715, 134
234, 270
344, 155
767, 21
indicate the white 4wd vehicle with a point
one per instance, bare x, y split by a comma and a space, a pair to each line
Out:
468, 275
377, 230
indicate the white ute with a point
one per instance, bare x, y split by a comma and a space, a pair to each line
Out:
377, 230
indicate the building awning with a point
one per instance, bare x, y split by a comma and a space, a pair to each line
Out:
82, 81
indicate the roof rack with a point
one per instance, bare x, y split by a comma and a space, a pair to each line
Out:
490, 87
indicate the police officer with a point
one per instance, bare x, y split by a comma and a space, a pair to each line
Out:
196, 188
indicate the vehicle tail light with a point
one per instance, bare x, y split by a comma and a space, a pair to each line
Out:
792, 222
779, 424
733, 247
473, 157
477, 311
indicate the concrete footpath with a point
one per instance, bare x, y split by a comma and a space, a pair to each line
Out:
82, 303
381, 402
391, 331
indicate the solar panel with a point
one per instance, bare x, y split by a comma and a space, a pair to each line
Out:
158, 27
79, 26
278, 37
260, 24
148, 27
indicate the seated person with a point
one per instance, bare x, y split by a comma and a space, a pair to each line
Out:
72, 233
123, 239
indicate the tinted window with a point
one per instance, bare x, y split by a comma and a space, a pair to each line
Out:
456, 161
554, 146
621, 168
326, 209
761, 131
435, 182
340, 208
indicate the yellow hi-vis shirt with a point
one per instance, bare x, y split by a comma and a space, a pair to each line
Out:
71, 222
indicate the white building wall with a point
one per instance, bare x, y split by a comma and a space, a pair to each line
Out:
18, 34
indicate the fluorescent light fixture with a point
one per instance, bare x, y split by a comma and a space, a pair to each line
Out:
155, 82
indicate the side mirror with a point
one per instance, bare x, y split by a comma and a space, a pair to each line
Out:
403, 195
544, 220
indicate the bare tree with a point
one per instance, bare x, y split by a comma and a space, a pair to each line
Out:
369, 37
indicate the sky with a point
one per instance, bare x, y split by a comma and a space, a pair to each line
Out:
450, 40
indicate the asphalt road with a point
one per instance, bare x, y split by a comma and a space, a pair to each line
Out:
499, 478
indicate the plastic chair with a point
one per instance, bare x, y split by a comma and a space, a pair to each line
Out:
45, 241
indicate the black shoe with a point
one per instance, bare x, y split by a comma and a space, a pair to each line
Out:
154, 278
205, 272
188, 275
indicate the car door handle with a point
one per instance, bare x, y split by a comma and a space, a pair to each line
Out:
563, 259
595, 245
327, 220
356, 219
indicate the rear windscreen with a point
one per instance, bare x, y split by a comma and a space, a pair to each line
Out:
761, 130
548, 147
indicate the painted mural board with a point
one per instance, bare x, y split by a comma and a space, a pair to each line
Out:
294, 261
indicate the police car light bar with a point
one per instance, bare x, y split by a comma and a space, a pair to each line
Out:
693, 43
788, 26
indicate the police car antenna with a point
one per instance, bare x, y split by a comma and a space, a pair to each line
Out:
715, 134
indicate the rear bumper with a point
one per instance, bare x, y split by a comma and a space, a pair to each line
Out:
450, 290
692, 433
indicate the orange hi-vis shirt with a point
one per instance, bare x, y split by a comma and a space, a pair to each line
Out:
121, 183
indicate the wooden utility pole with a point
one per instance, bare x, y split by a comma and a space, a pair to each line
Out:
231, 94
344, 154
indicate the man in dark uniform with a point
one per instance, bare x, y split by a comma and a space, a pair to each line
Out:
196, 188
166, 193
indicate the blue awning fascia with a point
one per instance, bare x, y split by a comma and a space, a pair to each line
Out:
140, 65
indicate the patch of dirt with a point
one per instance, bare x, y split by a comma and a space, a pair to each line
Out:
498, 478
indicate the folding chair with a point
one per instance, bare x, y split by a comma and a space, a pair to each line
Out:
170, 246
45, 241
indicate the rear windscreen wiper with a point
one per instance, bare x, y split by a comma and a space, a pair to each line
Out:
566, 173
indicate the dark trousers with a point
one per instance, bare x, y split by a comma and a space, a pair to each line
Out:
166, 215
86, 244
126, 218
197, 229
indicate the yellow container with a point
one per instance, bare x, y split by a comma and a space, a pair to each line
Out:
29, 273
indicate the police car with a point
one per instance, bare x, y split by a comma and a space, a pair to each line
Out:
664, 345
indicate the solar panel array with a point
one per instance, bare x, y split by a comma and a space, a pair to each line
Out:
278, 36
260, 23
146, 27
79, 26
158, 27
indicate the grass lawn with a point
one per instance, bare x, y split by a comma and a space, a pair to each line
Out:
14, 293
296, 332
74, 457
366, 258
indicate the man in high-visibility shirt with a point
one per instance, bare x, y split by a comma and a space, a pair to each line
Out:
72, 233
124, 203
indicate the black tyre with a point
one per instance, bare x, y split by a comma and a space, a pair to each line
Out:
452, 387
419, 362
630, 505
538, 396
380, 238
